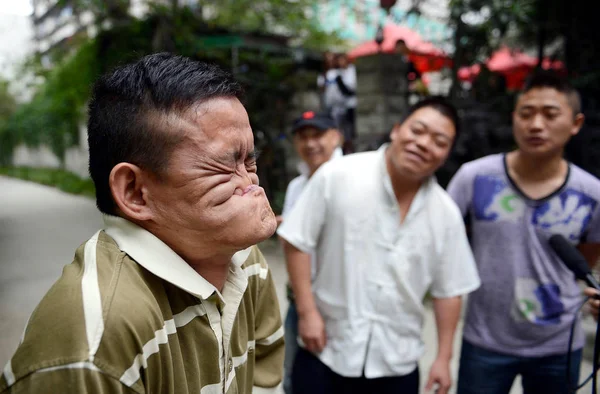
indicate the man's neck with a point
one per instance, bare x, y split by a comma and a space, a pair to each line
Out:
405, 188
214, 270
212, 267
535, 168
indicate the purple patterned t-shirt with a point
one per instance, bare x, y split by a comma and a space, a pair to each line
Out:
528, 298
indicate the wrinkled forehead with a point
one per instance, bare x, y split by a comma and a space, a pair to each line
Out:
217, 124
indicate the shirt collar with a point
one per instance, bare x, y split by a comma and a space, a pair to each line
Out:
155, 256
303, 167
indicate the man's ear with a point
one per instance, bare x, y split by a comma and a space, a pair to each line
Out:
395, 131
128, 185
577, 123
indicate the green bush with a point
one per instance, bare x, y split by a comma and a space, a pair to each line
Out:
61, 179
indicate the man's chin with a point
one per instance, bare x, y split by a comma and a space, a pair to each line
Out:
262, 228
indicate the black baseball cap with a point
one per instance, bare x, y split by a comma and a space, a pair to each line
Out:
321, 121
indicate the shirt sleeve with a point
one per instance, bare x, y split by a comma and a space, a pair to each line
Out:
302, 227
292, 193
77, 378
456, 272
287, 200
269, 346
460, 189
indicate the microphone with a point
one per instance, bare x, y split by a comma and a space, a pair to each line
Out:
573, 259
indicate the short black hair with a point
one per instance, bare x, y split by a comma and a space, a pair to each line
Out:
440, 104
130, 109
551, 79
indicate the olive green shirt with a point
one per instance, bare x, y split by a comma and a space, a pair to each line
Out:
130, 316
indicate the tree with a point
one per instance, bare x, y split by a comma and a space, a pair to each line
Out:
292, 18
8, 105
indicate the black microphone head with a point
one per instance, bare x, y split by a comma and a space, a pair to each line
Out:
572, 258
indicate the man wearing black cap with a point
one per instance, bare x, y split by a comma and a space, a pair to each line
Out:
317, 140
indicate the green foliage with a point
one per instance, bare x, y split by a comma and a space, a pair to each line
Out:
484, 24
8, 105
289, 18
56, 111
63, 180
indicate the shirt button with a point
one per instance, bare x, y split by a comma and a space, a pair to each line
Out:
230, 365
250, 350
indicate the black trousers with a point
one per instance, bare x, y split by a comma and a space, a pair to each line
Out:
311, 376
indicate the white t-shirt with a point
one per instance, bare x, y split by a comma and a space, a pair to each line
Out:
332, 96
295, 187
372, 270
348, 75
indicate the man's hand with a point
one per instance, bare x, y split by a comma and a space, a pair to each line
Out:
440, 375
311, 328
594, 303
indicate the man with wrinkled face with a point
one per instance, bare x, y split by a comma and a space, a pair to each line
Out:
171, 296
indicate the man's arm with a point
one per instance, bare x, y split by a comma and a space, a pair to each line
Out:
455, 275
310, 322
301, 231
591, 252
447, 313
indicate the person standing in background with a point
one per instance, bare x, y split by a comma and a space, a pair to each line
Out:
346, 81
383, 234
317, 141
326, 82
518, 322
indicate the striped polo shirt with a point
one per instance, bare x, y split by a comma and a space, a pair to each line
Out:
130, 316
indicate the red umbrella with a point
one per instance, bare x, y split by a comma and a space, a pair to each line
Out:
513, 64
469, 73
505, 60
425, 55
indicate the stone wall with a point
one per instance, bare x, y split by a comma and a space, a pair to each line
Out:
76, 157
381, 88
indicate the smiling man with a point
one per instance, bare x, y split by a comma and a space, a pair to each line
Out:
317, 140
384, 234
171, 296
518, 322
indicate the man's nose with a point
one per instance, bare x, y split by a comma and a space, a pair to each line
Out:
423, 141
312, 142
537, 123
244, 176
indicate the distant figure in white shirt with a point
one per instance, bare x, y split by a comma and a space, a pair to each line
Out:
317, 140
345, 116
384, 234
326, 77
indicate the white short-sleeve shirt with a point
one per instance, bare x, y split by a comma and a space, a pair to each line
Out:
372, 270
295, 188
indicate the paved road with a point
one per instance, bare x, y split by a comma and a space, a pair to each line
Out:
40, 228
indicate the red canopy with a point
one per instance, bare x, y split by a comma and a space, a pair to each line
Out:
513, 64
425, 55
